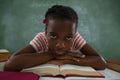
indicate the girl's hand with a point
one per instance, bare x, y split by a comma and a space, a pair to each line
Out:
72, 56
56, 62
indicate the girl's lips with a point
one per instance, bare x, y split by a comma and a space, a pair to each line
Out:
60, 52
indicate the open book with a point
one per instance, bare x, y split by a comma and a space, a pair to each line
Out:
64, 70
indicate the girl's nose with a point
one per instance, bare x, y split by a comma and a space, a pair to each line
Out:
60, 44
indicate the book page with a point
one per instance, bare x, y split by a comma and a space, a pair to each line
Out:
83, 78
76, 67
50, 78
45, 69
69, 69
110, 74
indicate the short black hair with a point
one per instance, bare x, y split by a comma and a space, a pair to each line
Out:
61, 12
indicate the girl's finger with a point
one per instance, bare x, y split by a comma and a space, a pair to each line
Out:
77, 55
75, 59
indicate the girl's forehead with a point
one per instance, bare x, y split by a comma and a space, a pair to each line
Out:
61, 25
59, 21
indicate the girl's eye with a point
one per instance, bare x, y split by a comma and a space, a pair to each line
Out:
53, 36
69, 37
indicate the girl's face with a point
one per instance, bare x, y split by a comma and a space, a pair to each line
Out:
60, 34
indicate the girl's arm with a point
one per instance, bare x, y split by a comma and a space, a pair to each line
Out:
26, 57
91, 58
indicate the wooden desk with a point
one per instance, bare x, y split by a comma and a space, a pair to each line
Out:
114, 61
113, 64
108, 73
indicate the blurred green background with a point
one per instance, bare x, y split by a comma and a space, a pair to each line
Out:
99, 23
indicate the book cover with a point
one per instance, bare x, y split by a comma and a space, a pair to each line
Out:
18, 76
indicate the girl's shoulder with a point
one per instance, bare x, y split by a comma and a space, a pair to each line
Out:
41, 35
77, 34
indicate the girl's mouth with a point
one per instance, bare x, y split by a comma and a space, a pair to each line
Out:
60, 52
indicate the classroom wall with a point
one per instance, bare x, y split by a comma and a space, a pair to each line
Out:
99, 23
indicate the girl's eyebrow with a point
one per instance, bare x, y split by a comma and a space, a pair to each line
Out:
70, 34
53, 33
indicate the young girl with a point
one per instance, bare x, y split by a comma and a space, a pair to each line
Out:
57, 45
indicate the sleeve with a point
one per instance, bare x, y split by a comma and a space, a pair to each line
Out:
37, 42
78, 42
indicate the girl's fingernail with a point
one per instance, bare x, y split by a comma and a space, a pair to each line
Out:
78, 60
83, 56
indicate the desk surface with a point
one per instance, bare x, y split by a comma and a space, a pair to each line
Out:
108, 73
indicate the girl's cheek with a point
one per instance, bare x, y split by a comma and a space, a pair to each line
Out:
51, 44
68, 46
